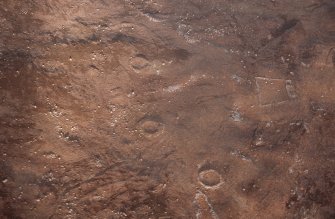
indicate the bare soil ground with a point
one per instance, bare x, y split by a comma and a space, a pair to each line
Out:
162, 109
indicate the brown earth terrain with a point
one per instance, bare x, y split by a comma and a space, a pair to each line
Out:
167, 109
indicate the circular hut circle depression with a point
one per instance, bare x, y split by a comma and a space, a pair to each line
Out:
139, 63
210, 178
152, 128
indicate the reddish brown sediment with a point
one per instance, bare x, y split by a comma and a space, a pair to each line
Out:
167, 109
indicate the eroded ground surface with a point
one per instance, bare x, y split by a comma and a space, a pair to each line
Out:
167, 109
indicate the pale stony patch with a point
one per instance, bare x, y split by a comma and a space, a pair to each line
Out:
274, 91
